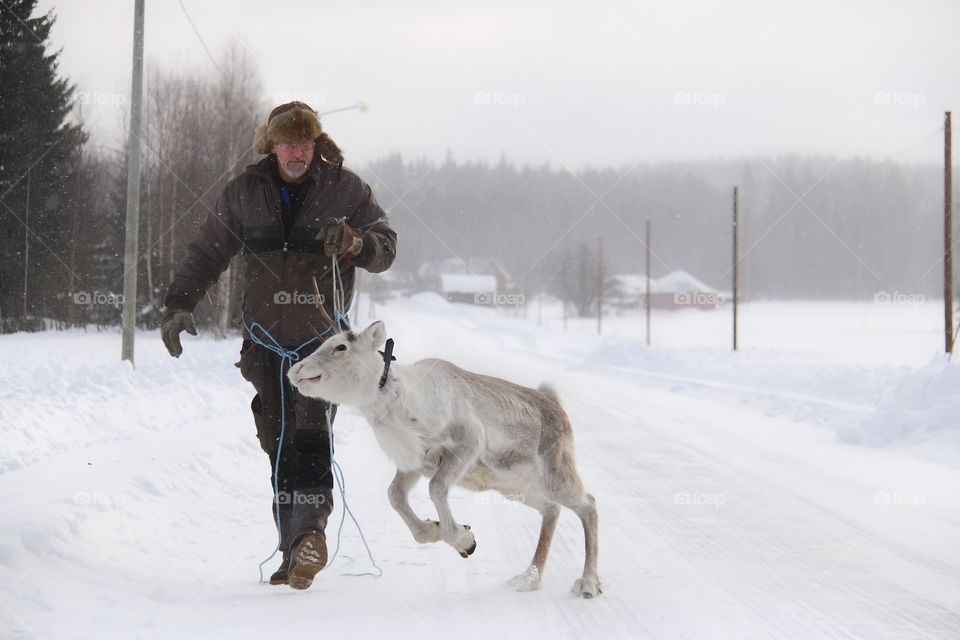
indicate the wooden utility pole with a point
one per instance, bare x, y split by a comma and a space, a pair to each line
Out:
647, 296
133, 189
736, 255
947, 236
599, 285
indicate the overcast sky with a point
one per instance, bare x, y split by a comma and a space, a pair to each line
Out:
586, 83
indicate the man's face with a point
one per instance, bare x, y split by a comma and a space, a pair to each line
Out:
293, 158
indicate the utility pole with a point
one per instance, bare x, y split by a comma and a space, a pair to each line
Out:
736, 206
947, 235
647, 297
133, 190
599, 286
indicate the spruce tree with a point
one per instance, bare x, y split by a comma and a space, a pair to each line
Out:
39, 150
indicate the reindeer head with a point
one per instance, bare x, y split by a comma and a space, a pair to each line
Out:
346, 369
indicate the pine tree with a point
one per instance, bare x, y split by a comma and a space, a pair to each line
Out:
39, 150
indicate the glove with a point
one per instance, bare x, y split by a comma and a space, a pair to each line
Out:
340, 239
170, 327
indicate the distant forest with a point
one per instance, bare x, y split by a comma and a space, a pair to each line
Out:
810, 227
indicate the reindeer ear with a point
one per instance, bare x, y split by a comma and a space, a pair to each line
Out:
375, 335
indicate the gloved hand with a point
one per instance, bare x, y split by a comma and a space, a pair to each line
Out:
340, 239
170, 327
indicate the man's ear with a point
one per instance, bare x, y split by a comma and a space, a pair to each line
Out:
374, 335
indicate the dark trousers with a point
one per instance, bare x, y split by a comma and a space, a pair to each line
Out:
304, 478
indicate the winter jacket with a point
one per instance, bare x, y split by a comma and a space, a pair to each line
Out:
277, 271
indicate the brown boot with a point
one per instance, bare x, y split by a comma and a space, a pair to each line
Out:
280, 575
309, 556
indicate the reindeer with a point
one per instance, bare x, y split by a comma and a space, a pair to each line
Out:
456, 427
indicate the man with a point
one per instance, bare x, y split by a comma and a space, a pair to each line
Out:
288, 216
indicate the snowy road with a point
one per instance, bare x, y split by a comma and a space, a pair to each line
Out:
137, 505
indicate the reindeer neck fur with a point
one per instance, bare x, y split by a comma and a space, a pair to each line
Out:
404, 423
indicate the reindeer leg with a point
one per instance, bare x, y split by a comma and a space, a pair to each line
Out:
453, 462
588, 585
423, 531
530, 580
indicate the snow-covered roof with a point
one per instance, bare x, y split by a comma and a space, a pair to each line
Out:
467, 283
680, 281
456, 265
631, 284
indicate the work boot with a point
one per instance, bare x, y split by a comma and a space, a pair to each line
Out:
280, 575
309, 556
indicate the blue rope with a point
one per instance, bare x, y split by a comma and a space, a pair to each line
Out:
344, 510
342, 321
287, 357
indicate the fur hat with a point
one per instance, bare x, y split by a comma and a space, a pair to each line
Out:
291, 122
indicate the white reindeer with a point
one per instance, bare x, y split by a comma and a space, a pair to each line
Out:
459, 428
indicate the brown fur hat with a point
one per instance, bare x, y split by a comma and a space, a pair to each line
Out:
291, 122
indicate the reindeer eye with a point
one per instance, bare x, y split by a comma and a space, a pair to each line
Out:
341, 347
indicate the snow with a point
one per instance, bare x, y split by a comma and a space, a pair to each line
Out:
807, 486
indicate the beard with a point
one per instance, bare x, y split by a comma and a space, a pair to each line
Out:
295, 168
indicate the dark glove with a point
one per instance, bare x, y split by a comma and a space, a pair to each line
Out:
171, 326
340, 239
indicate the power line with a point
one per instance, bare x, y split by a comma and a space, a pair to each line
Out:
199, 37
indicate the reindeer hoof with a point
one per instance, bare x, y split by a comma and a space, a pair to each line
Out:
529, 580
587, 588
469, 552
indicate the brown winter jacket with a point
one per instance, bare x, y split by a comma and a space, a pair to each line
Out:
277, 271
